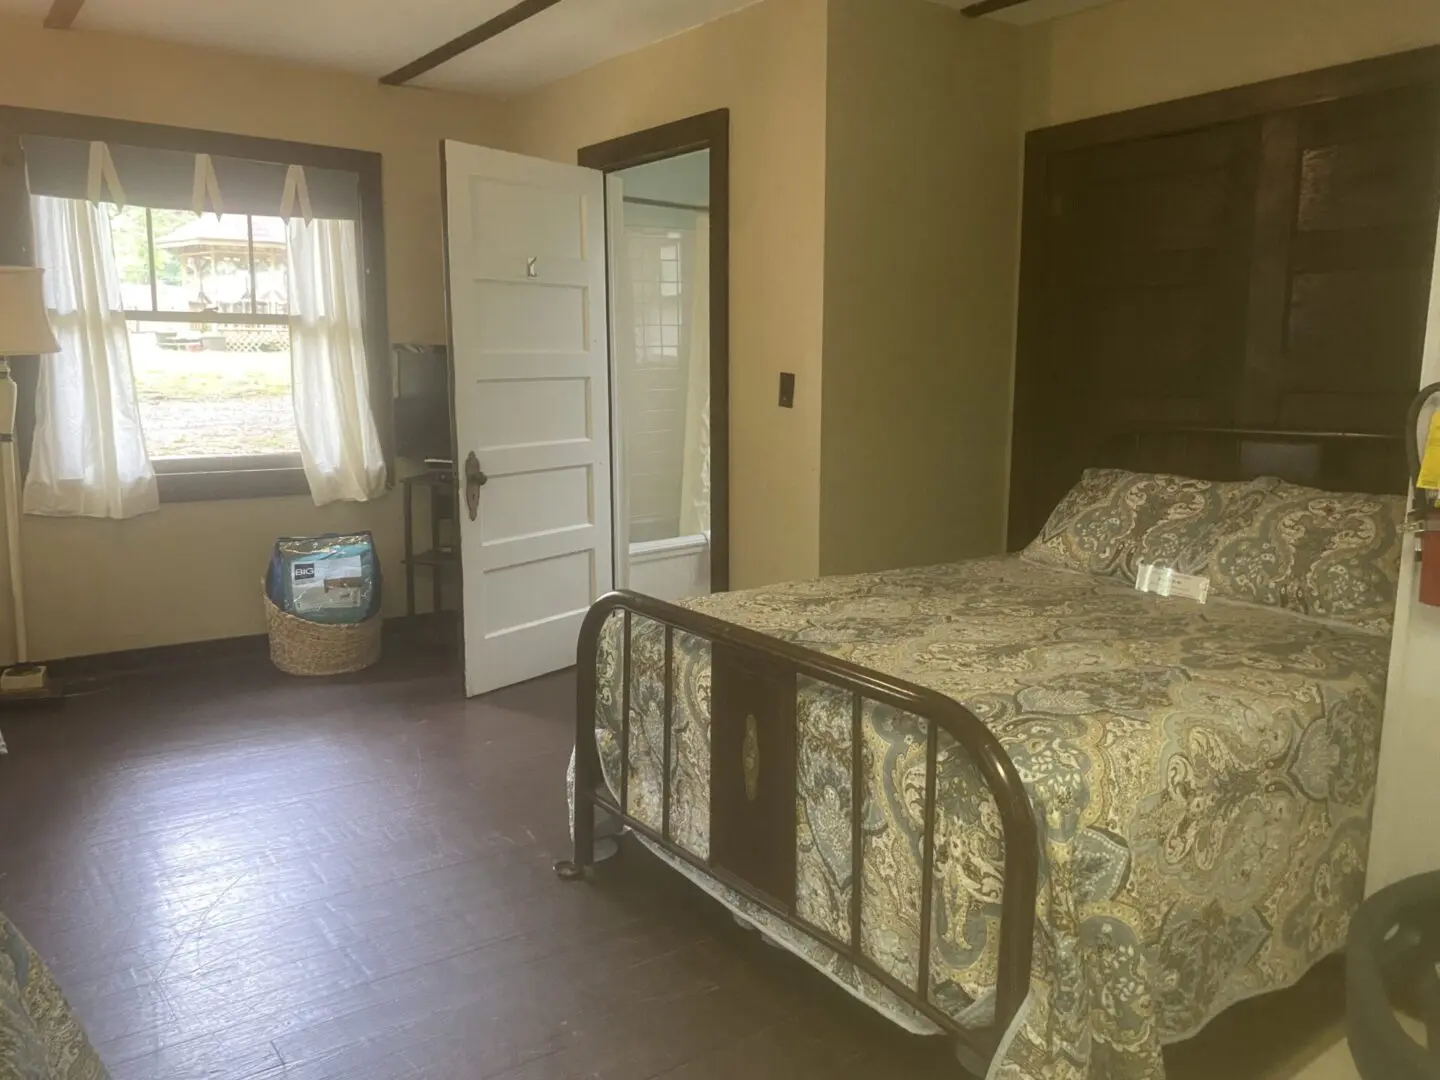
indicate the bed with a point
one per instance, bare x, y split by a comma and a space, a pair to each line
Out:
1089, 819
40, 1038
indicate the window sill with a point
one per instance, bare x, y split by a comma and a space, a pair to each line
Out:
201, 485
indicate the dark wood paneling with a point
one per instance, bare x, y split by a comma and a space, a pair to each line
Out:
1256, 389
1257, 259
753, 732
1366, 183
1357, 259
1338, 319
1382, 73
1337, 461
1145, 274
707, 131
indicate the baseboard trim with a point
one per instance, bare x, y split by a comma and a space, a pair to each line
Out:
431, 629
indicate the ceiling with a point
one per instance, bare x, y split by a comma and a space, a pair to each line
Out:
374, 37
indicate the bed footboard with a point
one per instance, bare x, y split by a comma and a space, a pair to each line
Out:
753, 806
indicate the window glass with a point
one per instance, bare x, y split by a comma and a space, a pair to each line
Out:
208, 386
272, 272
202, 262
128, 232
213, 390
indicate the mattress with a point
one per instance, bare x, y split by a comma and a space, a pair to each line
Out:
1202, 778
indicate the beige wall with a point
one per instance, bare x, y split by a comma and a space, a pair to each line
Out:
1404, 839
1137, 52
767, 65
874, 199
192, 571
923, 182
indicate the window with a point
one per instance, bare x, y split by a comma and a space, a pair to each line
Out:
207, 304
207, 299
655, 272
656, 377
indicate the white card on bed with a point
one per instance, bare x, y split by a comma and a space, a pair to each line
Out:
1167, 581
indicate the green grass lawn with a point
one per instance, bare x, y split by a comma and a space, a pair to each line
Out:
175, 375
212, 402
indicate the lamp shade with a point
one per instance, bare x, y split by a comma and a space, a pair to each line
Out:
24, 326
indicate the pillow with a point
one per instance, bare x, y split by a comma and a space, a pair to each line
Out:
1113, 520
1328, 554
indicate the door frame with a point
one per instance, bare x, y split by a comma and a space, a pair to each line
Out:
707, 131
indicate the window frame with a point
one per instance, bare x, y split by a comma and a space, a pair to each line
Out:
196, 479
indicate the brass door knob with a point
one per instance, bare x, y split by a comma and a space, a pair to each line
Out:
475, 479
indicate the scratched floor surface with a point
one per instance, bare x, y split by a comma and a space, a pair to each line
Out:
241, 876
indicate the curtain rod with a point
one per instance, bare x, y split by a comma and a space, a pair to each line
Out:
666, 205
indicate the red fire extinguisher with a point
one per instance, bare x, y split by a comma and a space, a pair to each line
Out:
1430, 560
1425, 507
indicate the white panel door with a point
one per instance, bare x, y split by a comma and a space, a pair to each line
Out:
525, 245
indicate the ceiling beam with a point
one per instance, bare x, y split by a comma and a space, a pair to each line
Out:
526, 9
62, 14
987, 7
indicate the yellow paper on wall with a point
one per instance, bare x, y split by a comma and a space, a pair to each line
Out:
1430, 463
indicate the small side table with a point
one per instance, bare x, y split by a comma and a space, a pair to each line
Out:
440, 555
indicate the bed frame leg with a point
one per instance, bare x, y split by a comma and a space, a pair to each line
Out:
574, 869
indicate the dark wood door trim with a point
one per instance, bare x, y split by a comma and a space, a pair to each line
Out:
708, 131
506, 20
62, 14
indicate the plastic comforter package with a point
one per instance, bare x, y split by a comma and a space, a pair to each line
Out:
325, 579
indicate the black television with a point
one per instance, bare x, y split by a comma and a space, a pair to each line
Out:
422, 402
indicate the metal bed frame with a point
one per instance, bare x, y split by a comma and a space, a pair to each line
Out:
754, 676
753, 710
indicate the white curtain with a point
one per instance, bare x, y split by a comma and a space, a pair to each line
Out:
88, 457
695, 475
339, 445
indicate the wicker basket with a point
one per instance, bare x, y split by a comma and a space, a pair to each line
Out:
299, 647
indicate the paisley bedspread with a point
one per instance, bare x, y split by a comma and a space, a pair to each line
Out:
40, 1038
1202, 778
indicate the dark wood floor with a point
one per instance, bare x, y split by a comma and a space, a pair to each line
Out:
241, 876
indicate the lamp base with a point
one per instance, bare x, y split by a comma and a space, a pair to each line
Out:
26, 683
